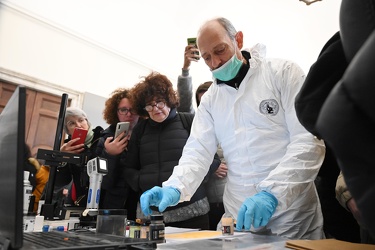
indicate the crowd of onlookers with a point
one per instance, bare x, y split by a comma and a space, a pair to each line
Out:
261, 145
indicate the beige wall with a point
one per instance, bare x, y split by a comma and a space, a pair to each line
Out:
88, 46
48, 52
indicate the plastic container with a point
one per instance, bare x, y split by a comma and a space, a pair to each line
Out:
111, 221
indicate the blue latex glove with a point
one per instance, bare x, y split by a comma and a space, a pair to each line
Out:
160, 197
256, 210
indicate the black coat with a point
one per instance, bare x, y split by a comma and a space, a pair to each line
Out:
115, 192
347, 119
154, 151
78, 173
115, 176
324, 74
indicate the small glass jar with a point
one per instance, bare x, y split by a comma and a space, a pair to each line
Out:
157, 228
145, 230
134, 230
227, 224
111, 221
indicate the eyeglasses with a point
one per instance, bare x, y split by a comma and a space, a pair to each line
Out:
125, 111
159, 105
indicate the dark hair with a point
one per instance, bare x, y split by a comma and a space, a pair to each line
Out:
201, 89
27, 152
110, 109
153, 85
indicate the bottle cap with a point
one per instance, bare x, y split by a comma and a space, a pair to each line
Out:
157, 217
45, 228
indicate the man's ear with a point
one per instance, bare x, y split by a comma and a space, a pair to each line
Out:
239, 39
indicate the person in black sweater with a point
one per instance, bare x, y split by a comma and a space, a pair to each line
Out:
115, 192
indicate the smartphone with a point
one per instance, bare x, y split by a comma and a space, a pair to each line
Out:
193, 41
81, 133
121, 127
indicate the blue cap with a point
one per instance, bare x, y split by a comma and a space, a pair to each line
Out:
45, 228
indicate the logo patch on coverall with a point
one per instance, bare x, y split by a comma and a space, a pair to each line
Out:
269, 107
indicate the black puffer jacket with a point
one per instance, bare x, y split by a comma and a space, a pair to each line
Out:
115, 176
347, 119
154, 151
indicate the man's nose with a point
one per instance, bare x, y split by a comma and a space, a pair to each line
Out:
216, 63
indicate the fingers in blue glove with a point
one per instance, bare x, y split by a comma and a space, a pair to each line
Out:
256, 210
150, 198
246, 215
241, 217
160, 197
171, 197
145, 204
258, 220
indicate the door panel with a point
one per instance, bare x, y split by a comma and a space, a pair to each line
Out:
42, 129
42, 110
6, 91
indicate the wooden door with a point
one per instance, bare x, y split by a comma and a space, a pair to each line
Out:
42, 110
6, 91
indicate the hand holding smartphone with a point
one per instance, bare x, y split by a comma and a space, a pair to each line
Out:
193, 41
121, 127
81, 133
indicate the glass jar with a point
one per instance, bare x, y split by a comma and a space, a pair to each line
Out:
145, 230
134, 230
227, 224
157, 228
111, 221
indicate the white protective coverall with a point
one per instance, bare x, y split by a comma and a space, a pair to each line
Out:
265, 146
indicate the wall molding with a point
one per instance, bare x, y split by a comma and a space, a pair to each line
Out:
40, 85
73, 34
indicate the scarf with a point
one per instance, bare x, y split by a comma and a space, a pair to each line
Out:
89, 137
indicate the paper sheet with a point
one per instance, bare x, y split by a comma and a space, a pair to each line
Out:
204, 234
174, 230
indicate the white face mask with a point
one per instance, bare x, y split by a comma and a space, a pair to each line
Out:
228, 70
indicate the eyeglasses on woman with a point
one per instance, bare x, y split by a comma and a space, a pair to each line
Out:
158, 104
125, 111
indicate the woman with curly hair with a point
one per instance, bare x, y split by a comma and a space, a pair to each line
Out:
114, 190
156, 147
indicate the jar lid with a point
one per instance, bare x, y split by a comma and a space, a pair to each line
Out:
157, 217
